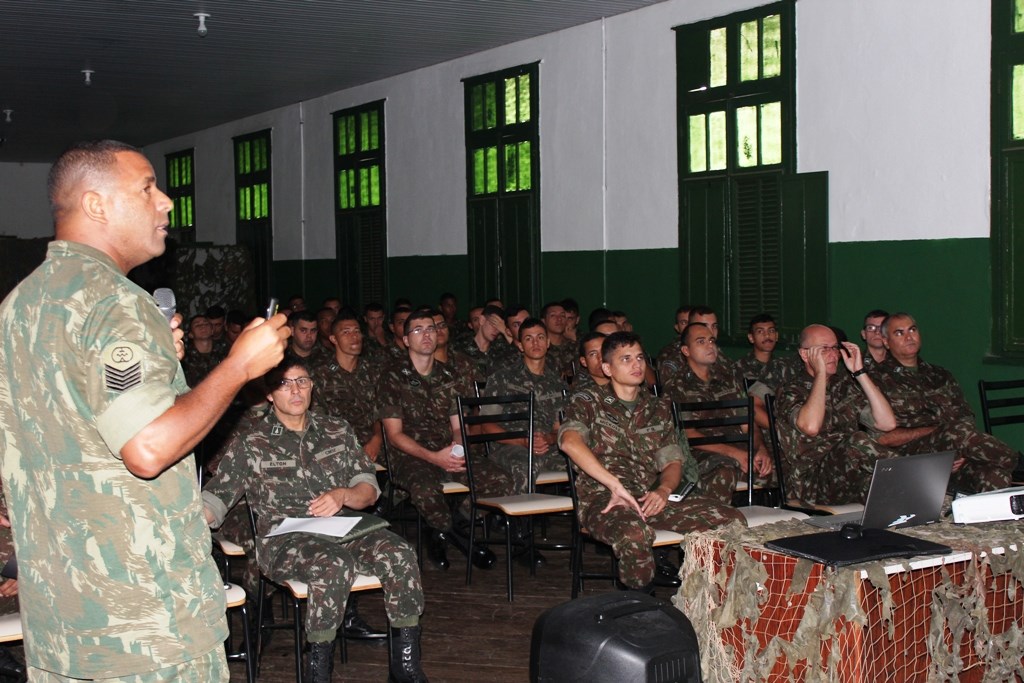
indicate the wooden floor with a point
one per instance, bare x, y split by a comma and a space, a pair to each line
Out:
470, 633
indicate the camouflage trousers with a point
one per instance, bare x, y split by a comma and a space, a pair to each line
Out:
329, 566
513, 459
632, 538
718, 475
988, 462
423, 482
839, 474
209, 668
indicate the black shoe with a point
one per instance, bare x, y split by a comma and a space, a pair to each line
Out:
436, 551
404, 665
320, 665
355, 628
10, 668
482, 558
667, 576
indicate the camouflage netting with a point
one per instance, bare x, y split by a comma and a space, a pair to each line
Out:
760, 615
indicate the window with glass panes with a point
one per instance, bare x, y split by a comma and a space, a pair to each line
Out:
253, 222
181, 188
360, 227
1008, 177
753, 234
503, 197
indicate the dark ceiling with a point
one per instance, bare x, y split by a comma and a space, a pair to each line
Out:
155, 78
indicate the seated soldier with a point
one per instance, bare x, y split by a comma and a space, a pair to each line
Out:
532, 373
396, 352
418, 409
871, 333
201, 354
377, 340
668, 359
346, 387
572, 319
624, 444
932, 414
460, 363
303, 343
828, 457
324, 319
486, 348
562, 352
9, 666
762, 336
295, 463
590, 375
702, 380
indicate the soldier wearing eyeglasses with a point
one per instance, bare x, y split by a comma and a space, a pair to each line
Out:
871, 333
829, 456
296, 463
932, 414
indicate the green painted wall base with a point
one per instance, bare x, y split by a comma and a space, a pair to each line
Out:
945, 284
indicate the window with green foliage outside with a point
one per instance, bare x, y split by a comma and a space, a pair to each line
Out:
502, 171
253, 211
360, 225
181, 189
753, 233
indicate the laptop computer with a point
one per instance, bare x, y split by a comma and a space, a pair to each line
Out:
905, 491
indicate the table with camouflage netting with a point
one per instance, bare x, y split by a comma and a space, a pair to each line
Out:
764, 616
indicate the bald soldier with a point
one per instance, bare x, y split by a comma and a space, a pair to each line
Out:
829, 457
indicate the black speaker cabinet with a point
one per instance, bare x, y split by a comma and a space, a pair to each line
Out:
614, 638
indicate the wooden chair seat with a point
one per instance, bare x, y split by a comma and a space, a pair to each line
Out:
550, 477
528, 504
10, 628
363, 582
756, 515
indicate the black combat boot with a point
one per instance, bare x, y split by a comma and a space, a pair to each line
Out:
483, 557
436, 549
404, 666
321, 662
355, 627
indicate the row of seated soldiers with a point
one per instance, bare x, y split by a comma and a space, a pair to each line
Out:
834, 419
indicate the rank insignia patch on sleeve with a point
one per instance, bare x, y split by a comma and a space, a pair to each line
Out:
122, 366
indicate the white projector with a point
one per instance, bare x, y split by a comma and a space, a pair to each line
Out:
991, 506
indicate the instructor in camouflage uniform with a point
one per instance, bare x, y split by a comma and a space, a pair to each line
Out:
295, 463
115, 574
932, 414
624, 443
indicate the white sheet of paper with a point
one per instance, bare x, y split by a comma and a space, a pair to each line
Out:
328, 526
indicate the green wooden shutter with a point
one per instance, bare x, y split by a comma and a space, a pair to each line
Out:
702, 239
804, 272
757, 249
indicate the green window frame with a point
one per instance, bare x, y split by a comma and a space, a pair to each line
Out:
360, 204
253, 215
1007, 130
753, 234
503, 184
181, 188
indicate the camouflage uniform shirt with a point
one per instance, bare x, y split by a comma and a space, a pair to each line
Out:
116, 575
352, 396
424, 404
280, 471
548, 392
634, 445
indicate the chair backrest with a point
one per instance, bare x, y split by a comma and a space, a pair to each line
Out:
513, 420
1015, 404
737, 412
773, 436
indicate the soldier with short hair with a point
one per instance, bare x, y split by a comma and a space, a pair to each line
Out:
419, 412
932, 414
532, 373
624, 444
295, 463
115, 573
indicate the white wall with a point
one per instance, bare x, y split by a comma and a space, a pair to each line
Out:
892, 102
24, 207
